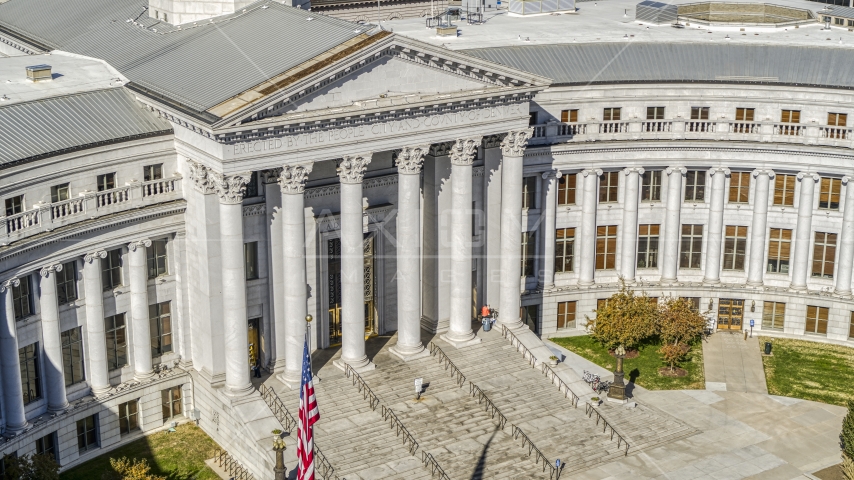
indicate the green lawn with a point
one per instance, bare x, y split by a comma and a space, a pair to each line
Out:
643, 370
179, 455
809, 370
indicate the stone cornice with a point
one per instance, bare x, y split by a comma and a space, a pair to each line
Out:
292, 178
351, 169
383, 181
561, 150
256, 209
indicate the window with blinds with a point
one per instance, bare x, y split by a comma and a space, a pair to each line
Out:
608, 187
790, 116
691, 249
566, 190
566, 314
784, 190
606, 247
739, 187
648, 246
829, 192
564, 249
735, 246
744, 114
611, 114
837, 119
779, 249
773, 315
817, 320
569, 116
824, 253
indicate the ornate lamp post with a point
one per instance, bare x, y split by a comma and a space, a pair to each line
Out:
279, 447
618, 388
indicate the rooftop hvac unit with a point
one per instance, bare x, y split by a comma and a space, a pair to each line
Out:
39, 73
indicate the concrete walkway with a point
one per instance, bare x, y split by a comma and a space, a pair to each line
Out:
733, 364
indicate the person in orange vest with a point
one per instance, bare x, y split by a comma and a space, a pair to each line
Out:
484, 312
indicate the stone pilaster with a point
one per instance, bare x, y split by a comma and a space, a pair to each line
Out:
549, 213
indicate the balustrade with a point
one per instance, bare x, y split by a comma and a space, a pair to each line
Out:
614, 127
656, 126
23, 220
699, 126
744, 127
159, 187
789, 129
837, 133
67, 208
113, 196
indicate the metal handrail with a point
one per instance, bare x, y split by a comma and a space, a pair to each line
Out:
520, 347
589, 409
553, 471
367, 393
232, 466
490, 408
322, 465
561, 385
429, 461
455, 372
395, 423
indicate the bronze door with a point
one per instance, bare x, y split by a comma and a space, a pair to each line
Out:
730, 314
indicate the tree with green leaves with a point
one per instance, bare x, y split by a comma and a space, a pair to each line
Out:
135, 469
678, 325
846, 439
31, 467
626, 319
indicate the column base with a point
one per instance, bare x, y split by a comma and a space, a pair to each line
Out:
98, 391
799, 288
513, 326
755, 284
279, 366
292, 380
407, 353
360, 365
709, 281
842, 293
585, 283
12, 431
460, 341
143, 376
57, 409
236, 392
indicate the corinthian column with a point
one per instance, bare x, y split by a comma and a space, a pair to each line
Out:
846, 244
587, 234
547, 273
99, 378
230, 189
628, 262
460, 333
716, 226
351, 172
51, 338
13, 397
670, 246
409, 162
292, 184
139, 321
758, 227
803, 232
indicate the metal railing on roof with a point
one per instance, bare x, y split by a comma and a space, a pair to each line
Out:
590, 409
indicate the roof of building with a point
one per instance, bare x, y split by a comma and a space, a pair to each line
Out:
58, 124
836, 11
198, 65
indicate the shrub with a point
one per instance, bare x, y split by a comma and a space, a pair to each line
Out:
626, 319
847, 442
133, 469
677, 326
35, 467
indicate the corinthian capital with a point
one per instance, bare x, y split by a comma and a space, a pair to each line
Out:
144, 243
92, 256
12, 282
410, 159
351, 168
46, 271
201, 177
231, 188
463, 150
293, 177
515, 142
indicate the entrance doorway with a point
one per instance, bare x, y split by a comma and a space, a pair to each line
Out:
730, 314
254, 341
333, 254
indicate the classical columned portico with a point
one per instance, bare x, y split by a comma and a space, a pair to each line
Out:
230, 189
51, 338
716, 225
547, 272
99, 379
803, 231
459, 331
139, 321
670, 246
13, 398
846, 243
587, 234
758, 227
629, 240
292, 186
409, 164
351, 172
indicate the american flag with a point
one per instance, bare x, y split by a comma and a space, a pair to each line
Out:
308, 415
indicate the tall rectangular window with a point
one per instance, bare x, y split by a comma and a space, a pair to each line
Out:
735, 245
569, 116
566, 314
744, 114
695, 185
47, 446
171, 402
59, 193
691, 249
651, 186
699, 113
72, 355
784, 190
608, 187
611, 114
655, 113
851, 326
837, 119
648, 246
829, 191
817, 320
128, 417
160, 318
111, 269
87, 434
152, 172
252, 186
157, 259
529, 190
566, 190
739, 187
824, 254
529, 243
773, 315
22, 298
115, 332
30, 382
564, 249
606, 247
250, 258
106, 181
14, 205
694, 301
779, 249
66, 283
790, 116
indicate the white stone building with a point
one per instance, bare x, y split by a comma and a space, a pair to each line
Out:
178, 198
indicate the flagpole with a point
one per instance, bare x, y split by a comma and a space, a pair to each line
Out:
308, 319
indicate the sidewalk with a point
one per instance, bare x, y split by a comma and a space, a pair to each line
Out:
733, 364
